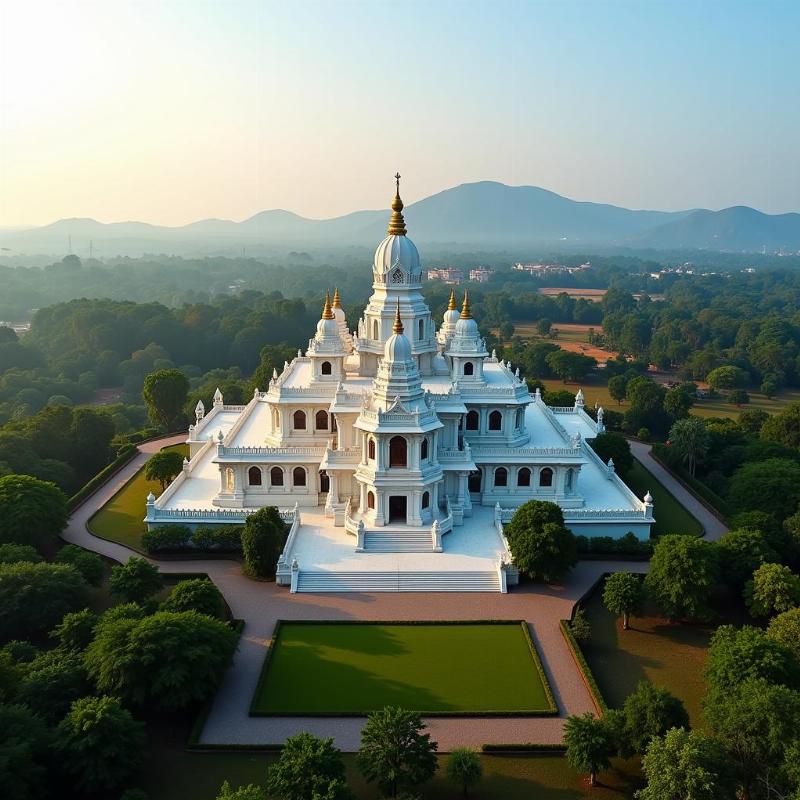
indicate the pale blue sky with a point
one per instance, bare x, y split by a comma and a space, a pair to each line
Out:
174, 110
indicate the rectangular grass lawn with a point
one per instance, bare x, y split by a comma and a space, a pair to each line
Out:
341, 669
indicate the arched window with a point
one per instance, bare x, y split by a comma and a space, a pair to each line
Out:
546, 477
423, 450
299, 476
398, 452
321, 420
569, 479
501, 476
474, 481
371, 449
326, 368
370, 500
421, 329
324, 482
426, 499
299, 420
254, 476
524, 477
276, 476
375, 330
473, 420
469, 368
495, 421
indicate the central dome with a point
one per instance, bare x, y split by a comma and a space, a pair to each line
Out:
397, 260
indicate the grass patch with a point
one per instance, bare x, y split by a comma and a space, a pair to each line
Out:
664, 653
342, 669
671, 516
120, 519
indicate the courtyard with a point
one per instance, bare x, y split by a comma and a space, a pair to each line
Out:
443, 669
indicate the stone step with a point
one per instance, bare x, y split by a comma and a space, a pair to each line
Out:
398, 543
460, 581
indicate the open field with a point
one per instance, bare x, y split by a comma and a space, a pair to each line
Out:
595, 295
671, 516
352, 668
571, 336
664, 653
120, 520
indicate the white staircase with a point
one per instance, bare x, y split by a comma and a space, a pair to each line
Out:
318, 581
398, 542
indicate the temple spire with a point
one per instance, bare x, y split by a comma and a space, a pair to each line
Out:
398, 323
451, 306
397, 225
327, 312
466, 313
337, 300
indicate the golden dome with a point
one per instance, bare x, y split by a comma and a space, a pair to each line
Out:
337, 300
466, 313
397, 225
398, 323
327, 312
451, 306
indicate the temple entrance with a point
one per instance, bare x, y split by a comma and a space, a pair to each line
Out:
397, 509
324, 482
474, 481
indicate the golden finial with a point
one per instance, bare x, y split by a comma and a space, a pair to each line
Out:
397, 225
327, 312
451, 306
466, 313
398, 323
337, 301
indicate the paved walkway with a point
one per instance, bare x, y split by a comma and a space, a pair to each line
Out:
713, 526
261, 604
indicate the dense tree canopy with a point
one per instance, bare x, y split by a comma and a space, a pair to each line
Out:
263, 538
31, 511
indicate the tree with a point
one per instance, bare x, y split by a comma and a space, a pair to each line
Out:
739, 654
686, 765
570, 366
755, 720
612, 445
196, 594
727, 377
773, 589
308, 768
651, 711
543, 326
738, 397
163, 467
772, 486
75, 630
784, 427
34, 597
14, 553
100, 744
10, 676
52, 682
24, 744
394, 752
135, 581
623, 595
683, 571
164, 396
771, 384
543, 547
580, 626
741, 552
785, 629
31, 511
690, 439
590, 744
617, 387
679, 399
249, 792
646, 398
168, 660
90, 565
263, 539
464, 768
752, 419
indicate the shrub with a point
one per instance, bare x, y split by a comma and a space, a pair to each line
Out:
166, 539
773, 590
135, 581
34, 597
14, 553
612, 445
52, 683
222, 538
31, 511
464, 768
197, 594
90, 565
263, 538
649, 712
580, 625
643, 434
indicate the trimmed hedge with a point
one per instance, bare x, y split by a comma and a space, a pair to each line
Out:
205, 539
166, 539
628, 545
524, 747
583, 667
125, 454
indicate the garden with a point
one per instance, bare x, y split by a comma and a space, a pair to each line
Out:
432, 668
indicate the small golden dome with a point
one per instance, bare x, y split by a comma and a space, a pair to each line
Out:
451, 306
397, 225
398, 323
337, 300
327, 311
466, 313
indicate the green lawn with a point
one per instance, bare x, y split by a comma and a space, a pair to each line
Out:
120, 519
666, 654
352, 668
671, 516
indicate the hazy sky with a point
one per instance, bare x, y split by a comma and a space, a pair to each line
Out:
169, 111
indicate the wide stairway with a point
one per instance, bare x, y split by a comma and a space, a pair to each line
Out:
398, 542
318, 581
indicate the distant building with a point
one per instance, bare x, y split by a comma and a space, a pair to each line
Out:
452, 275
550, 269
481, 274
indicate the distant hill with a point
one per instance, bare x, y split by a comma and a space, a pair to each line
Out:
484, 213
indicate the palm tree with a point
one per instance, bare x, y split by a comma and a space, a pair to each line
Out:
690, 438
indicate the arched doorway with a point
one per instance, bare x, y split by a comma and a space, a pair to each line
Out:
398, 452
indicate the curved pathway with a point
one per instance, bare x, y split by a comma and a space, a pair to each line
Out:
260, 605
713, 526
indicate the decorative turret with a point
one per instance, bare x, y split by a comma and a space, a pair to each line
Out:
327, 350
199, 410
579, 402
466, 349
397, 225
396, 259
451, 317
218, 400
341, 321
